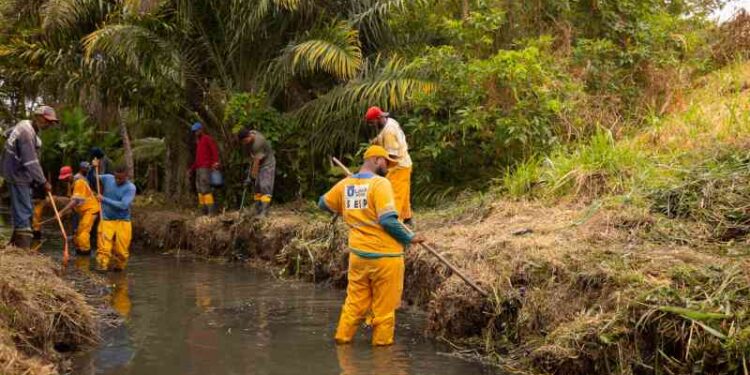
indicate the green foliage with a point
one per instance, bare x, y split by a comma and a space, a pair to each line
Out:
488, 114
251, 110
146, 150
481, 87
70, 142
599, 167
478, 34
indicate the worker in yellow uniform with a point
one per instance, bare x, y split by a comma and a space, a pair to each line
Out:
376, 241
39, 198
83, 201
393, 140
115, 230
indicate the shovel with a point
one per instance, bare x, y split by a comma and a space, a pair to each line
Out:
430, 249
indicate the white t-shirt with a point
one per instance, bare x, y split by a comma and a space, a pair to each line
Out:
393, 140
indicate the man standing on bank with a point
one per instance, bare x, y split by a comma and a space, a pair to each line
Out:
376, 242
22, 171
206, 160
262, 170
391, 137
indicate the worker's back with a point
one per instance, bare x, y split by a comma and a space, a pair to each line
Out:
361, 200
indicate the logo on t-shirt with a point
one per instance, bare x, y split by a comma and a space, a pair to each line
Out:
356, 197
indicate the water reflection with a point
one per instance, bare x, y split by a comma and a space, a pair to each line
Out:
119, 297
197, 318
390, 360
117, 351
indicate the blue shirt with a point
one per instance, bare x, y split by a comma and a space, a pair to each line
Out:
117, 199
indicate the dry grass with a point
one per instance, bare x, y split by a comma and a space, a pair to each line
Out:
716, 111
41, 316
579, 291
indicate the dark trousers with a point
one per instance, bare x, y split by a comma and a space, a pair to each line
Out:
20, 206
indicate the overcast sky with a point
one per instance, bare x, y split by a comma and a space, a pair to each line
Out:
727, 12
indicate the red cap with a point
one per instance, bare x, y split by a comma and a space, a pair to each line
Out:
65, 172
374, 113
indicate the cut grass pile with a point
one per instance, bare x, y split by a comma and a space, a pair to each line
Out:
41, 316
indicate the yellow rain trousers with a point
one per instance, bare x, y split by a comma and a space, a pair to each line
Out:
82, 239
400, 179
205, 199
36, 220
265, 198
83, 263
114, 249
377, 284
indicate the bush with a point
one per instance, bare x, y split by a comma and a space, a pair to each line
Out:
487, 114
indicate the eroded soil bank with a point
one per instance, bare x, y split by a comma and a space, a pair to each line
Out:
44, 316
575, 290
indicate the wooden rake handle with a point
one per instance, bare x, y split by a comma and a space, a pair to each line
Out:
66, 254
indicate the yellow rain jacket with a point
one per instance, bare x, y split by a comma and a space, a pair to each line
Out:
87, 209
376, 263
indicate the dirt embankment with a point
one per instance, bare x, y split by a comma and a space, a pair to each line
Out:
575, 290
43, 318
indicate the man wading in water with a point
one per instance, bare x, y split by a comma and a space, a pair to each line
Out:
83, 202
115, 228
376, 241
262, 170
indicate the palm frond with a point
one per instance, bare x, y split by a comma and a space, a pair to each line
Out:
388, 83
139, 47
136, 7
72, 16
334, 50
371, 16
148, 149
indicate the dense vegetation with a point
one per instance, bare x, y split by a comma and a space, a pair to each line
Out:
639, 109
481, 86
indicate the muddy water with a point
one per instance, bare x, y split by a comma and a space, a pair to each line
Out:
193, 317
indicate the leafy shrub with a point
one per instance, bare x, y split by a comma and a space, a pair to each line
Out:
487, 114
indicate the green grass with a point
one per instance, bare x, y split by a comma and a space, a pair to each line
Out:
692, 164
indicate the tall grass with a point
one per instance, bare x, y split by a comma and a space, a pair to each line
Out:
710, 121
598, 167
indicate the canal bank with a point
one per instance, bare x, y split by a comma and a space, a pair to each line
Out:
574, 290
47, 314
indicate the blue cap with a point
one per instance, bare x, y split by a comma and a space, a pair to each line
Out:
97, 152
84, 164
196, 126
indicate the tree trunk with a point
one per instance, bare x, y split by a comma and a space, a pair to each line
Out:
176, 160
465, 10
127, 150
